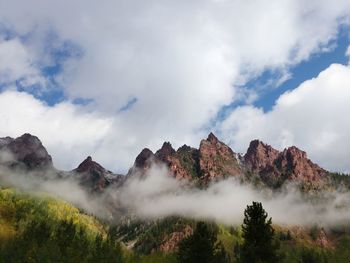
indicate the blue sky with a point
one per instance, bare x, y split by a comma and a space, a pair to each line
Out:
303, 71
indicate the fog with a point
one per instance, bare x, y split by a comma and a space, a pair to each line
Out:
50, 181
157, 195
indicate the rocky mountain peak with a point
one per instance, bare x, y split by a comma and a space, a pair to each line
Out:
94, 176
259, 155
89, 165
298, 166
27, 152
294, 153
185, 148
166, 150
144, 158
275, 167
216, 159
212, 138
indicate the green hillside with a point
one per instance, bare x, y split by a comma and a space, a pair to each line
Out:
37, 228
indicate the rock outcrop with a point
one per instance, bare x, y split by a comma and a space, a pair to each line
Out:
259, 156
214, 160
26, 152
171, 242
276, 167
175, 160
181, 163
92, 175
217, 160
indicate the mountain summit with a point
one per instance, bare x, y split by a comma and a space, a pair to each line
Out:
212, 161
26, 152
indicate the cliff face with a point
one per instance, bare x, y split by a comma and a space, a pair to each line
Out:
275, 167
259, 156
217, 160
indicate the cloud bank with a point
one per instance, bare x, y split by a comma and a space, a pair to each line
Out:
160, 195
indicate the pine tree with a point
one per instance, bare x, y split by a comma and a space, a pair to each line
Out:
259, 245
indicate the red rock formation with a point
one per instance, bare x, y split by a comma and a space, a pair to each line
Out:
217, 160
259, 156
164, 152
274, 166
172, 159
171, 242
298, 166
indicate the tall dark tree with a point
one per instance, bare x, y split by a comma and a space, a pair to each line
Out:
202, 246
259, 244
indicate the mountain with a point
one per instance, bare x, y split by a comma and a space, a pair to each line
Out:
217, 160
28, 153
25, 151
214, 160
158, 239
276, 167
92, 175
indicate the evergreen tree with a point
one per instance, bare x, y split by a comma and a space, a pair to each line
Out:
202, 246
259, 245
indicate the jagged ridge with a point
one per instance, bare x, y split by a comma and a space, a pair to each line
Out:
214, 160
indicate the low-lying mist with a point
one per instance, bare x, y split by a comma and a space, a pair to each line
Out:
157, 194
47, 182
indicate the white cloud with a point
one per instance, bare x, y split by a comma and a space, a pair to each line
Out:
68, 133
16, 63
181, 60
313, 117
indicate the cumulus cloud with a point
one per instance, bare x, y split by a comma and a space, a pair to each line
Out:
313, 117
181, 60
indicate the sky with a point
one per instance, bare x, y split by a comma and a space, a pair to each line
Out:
108, 78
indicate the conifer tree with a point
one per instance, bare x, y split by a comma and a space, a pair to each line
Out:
259, 244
